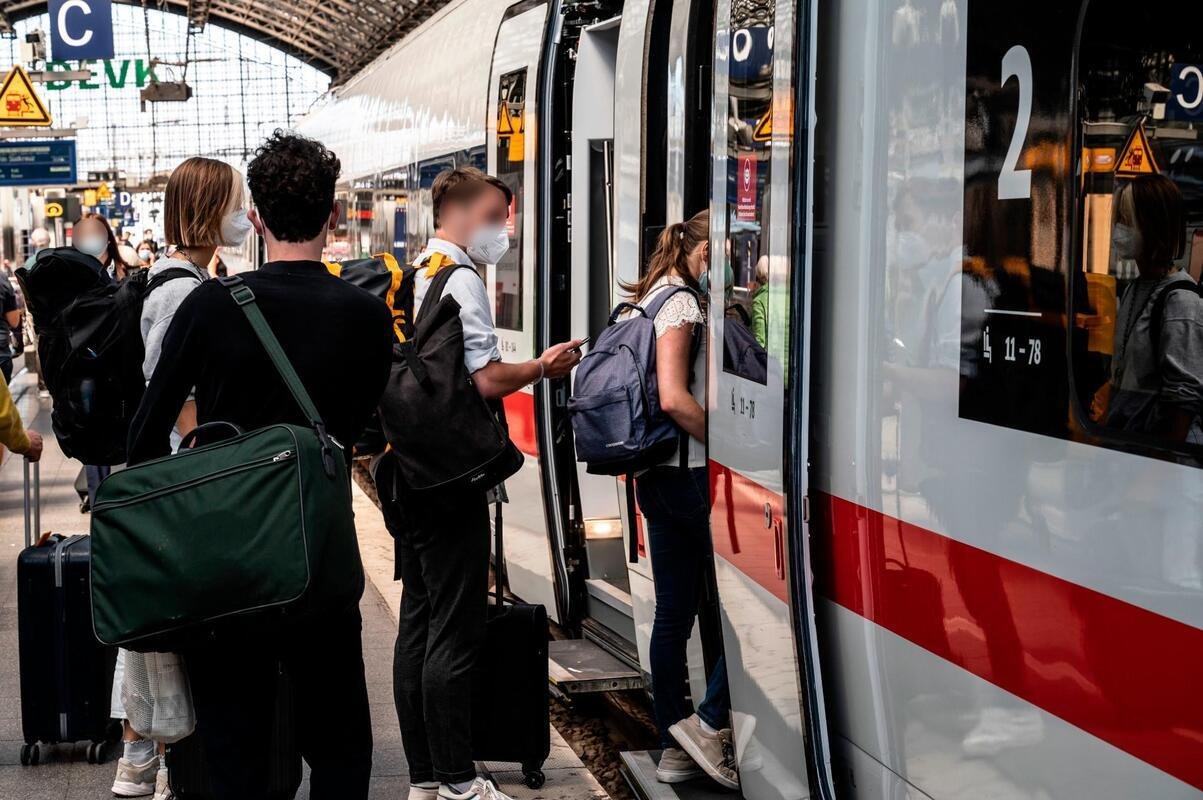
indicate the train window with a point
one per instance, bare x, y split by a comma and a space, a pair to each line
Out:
1139, 370
511, 168
749, 133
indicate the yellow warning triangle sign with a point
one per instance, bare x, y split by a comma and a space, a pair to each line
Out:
1137, 158
764, 128
19, 103
505, 124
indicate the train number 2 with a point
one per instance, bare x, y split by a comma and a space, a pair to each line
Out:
1016, 184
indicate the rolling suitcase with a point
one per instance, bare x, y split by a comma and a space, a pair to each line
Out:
188, 765
510, 717
66, 675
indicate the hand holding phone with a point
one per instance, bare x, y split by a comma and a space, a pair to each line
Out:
580, 344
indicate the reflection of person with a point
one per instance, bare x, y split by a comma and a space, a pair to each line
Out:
1157, 373
760, 302
675, 499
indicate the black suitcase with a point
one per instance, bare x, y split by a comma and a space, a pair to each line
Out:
66, 675
510, 716
188, 765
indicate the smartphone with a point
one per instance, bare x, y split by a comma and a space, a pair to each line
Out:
584, 342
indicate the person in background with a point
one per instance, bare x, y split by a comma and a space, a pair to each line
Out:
129, 257
203, 207
93, 235
760, 302
148, 251
10, 322
12, 432
675, 499
211, 346
39, 240
442, 539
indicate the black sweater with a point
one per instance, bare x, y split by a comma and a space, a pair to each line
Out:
337, 336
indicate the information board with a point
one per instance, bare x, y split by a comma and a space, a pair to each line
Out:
37, 163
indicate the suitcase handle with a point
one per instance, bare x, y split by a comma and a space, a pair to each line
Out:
33, 501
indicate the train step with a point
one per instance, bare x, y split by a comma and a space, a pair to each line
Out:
579, 666
611, 606
639, 770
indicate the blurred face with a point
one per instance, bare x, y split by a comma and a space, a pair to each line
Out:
464, 220
91, 236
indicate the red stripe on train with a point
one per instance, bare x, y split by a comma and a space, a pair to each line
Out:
743, 533
520, 414
1122, 673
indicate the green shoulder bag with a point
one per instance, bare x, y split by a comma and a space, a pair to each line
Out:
251, 531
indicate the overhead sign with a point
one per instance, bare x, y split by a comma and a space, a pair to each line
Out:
1186, 92
1137, 157
35, 163
54, 209
118, 74
20, 103
81, 29
103, 192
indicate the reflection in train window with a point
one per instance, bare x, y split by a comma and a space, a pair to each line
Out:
749, 133
511, 168
1139, 378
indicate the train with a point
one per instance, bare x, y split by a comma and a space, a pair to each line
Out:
937, 574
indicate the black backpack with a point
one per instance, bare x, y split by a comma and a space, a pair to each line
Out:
90, 348
443, 434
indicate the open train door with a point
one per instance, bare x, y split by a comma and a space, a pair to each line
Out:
533, 522
758, 393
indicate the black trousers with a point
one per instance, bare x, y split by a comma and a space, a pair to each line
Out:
443, 563
234, 690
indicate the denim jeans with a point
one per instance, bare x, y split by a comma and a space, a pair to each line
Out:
676, 503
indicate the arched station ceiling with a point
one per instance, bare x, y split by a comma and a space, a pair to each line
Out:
339, 37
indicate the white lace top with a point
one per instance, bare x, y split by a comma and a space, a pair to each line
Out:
683, 309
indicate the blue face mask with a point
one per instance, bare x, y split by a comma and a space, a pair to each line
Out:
704, 282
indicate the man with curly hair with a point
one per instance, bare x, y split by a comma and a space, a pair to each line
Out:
234, 675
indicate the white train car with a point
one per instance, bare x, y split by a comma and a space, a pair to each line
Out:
937, 573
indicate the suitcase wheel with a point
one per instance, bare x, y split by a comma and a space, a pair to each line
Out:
96, 752
533, 778
30, 755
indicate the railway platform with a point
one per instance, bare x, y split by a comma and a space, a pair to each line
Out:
64, 772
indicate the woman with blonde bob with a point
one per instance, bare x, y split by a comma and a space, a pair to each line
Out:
204, 209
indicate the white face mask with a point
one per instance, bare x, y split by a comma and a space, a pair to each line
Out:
489, 244
145, 254
92, 245
1126, 241
234, 228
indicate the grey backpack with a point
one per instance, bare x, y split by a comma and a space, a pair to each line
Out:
615, 406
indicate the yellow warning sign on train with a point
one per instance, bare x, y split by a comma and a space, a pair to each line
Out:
510, 129
19, 103
763, 132
1137, 158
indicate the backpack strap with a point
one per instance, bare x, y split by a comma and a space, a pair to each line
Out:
168, 275
651, 310
245, 299
434, 292
1157, 314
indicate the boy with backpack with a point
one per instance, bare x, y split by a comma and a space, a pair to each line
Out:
442, 537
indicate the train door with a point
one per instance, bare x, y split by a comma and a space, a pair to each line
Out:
757, 391
511, 149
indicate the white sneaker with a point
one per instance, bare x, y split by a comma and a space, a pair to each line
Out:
135, 780
428, 792
713, 752
1001, 728
479, 790
677, 767
162, 785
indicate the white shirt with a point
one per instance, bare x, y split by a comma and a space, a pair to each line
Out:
480, 336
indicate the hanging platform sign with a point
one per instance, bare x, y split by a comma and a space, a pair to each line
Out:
81, 29
33, 163
19, 103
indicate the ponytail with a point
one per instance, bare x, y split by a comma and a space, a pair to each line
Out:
671, 256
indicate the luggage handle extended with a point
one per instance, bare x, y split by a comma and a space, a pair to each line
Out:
33, 501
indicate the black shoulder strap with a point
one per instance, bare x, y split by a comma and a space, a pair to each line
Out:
434, 292
1157, 315
169, 274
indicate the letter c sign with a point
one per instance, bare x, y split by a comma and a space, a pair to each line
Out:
81, 29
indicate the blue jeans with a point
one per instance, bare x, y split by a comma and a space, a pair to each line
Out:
676, 503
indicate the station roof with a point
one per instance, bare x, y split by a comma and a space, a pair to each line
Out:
339, 37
